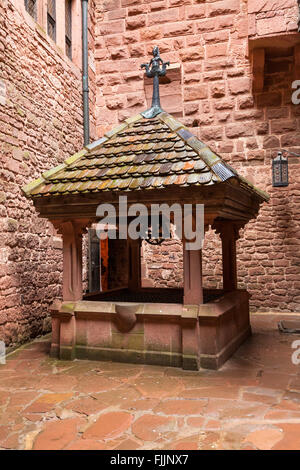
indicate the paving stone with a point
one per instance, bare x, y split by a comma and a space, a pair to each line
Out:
142, 404
196, 422
21, 398
33, 417
247, 404
31, 365
262, 393
29, 354
294, 385
86, 405
128, 444
212, 424
123, 373
12, 415
289, 402
211, 392
118, 396
47, 402
19, 382
282, 415
181, 407
264, 439
96, 383
211, 440
201, 381
109, 426
4, 431
291, 437
274, 380
57, 383
234, 409
158, 387
57, 434
150, 427
86, 444
4, 397
184, 444
12, 442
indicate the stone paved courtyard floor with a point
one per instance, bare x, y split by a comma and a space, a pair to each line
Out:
252, 402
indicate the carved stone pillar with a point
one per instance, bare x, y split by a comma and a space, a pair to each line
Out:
72, 261
63, 318
134, 264
229, 233
192, 276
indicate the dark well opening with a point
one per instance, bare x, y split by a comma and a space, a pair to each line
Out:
150, 295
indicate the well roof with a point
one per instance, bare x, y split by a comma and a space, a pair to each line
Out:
139, 154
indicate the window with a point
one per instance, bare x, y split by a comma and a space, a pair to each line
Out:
68, 28
31, 8
51, 19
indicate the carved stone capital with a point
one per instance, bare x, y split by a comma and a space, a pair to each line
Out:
80, 226
228, 228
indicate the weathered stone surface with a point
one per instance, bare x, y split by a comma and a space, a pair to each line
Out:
157, 387
181, 407
86, 405
233, 408
47, 401
86, 444
38, 134
109, 426
41, 125
56, 435
96, 384
151, 427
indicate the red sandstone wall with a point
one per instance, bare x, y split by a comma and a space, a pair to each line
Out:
210, 40
271, 16
40, 125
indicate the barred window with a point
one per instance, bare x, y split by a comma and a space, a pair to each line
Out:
51, 19
31, 8
68, 27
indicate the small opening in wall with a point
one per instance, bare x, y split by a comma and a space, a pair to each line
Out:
31, 8
68, 28
51, 19
195, 123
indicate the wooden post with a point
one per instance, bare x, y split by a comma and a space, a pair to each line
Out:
192, 276
229, 235
134, 264
72, 261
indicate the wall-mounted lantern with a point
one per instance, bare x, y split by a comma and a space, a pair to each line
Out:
280, 173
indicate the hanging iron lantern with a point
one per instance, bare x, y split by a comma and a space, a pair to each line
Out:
155, 241
280, 175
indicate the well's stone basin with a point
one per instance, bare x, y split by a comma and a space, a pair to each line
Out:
168, 334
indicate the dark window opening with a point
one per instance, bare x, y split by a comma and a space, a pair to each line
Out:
51, 19
68, 27
31, 8
107, 263
94, 261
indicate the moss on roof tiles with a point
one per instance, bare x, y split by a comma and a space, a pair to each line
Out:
138, 154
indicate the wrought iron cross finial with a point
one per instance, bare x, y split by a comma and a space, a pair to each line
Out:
155, 69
